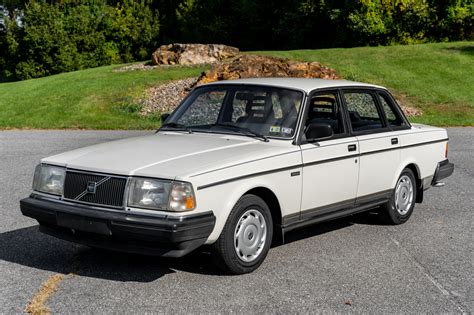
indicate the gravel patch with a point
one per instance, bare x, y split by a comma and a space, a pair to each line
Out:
166, 97
136, 67
148, 66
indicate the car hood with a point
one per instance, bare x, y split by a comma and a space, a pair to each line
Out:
167, 154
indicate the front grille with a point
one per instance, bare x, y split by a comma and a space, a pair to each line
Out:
109, 190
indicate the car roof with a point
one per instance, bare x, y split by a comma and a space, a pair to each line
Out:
304, 84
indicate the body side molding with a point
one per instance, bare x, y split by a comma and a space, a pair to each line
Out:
233, 179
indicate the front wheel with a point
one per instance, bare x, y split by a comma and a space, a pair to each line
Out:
400, 205
246, 237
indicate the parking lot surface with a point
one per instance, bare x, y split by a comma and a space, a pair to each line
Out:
353, 264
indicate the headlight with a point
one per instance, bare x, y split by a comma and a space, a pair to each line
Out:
161, 195
49, 179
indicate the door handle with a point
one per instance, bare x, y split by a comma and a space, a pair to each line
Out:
351, 147
394, 140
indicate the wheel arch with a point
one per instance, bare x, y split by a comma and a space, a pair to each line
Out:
236, 191
419, 185
269, 197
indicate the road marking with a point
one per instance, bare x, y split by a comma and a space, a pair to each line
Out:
423, 270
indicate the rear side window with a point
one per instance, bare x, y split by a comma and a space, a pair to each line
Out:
393, 117
363, 111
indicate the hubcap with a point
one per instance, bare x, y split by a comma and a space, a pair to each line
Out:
250, 235
404, 195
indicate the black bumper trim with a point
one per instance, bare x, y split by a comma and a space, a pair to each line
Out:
162, 235
443, 170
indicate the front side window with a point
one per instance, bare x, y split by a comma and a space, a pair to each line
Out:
261, 110
325, 109
363, 111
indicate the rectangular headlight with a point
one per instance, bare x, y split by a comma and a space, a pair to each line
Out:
158, 194
49, 179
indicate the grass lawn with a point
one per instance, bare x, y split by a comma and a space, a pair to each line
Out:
89, 99
438, 78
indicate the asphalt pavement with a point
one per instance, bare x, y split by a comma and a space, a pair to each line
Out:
353, 264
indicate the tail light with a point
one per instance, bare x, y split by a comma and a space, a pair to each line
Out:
446, 150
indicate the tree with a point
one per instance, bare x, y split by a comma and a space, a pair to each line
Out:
69, 35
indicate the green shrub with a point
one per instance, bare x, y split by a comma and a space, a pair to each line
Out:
71, 35
59, 36
368, 22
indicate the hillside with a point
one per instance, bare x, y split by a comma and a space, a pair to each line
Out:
99, 98
437, 78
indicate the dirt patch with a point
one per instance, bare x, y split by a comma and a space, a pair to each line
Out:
37, 305
253, 66
405, 103
411, 111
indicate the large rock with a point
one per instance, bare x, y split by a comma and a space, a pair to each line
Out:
253, 66
191, 54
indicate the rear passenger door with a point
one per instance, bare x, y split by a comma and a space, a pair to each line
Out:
330, 166
378, 144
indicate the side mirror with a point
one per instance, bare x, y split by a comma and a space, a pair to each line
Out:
315, 132
164, 116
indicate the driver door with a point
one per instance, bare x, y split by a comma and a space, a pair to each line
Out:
330, 166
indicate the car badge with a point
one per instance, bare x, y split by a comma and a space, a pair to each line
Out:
91, 187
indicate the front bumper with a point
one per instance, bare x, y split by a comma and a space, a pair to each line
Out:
443, 169
121, 230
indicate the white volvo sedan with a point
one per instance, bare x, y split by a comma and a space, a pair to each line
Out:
238, 164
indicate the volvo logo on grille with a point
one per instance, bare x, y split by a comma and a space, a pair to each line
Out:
91, 187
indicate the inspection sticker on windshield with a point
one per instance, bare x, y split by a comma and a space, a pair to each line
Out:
275, 129
286, 130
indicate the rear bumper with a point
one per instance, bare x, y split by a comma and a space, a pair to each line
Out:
121, 230
443, 170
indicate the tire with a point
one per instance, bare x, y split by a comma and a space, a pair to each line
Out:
246, 237
405, 189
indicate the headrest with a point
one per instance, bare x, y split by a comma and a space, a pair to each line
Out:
321, 100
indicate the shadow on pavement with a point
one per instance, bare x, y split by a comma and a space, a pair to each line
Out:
369, 218
363, 218
317, 229
29, 247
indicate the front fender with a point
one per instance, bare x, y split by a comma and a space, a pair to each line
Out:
222, 198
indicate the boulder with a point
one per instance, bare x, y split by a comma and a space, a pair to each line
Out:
253, 66
191, 54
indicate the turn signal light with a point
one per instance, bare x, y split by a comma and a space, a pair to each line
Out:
190, 203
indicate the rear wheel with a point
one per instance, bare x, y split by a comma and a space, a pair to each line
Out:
400, 206
246, 237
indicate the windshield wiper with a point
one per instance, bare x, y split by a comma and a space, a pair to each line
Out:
246, 131
176, 126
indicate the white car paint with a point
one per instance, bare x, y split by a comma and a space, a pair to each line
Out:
222, 168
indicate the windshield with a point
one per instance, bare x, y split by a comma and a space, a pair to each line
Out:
258, 111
